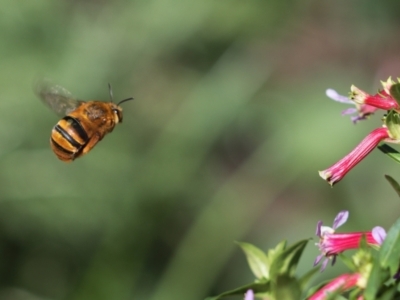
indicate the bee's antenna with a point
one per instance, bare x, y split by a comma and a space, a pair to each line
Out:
111, 93
122, 101
111, 96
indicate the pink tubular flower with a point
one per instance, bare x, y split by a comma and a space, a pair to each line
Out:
331, 243
363, 110
382, 100
341, 283
366, 105
336, 172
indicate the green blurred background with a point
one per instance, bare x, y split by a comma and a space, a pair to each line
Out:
229, 126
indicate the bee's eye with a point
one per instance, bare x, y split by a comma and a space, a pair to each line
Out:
118, 115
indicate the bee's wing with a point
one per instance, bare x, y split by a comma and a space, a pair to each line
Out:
56, 97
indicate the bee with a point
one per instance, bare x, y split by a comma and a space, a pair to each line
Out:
84, 123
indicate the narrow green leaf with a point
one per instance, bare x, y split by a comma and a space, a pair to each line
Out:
315, 288
306, 278
348, 261
257, 287
389, 151
389, 254
375, 281
287, 261
395, 185
275, 252
257, 260
285, 287
388, 294
354, 294
395, 92
335, 295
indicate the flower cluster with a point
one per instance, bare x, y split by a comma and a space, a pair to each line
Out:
374, 267
365, 105
331, 244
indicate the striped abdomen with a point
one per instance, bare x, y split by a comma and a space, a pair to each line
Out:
68, 138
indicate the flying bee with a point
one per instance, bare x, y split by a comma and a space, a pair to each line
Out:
83, 125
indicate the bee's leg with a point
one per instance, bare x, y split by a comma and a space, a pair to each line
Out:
92, 142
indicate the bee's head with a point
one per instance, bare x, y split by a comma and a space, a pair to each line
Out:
116, 109
117, 112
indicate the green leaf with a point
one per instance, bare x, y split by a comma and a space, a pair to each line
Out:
286, 287
389, 151
315, 288
395, 185
395, 92
347, 261
274, 252
374, 283
392, 122
388, 294
335, 295
287, 261
389, 254
257, 260
354, 294
306, 278
257, 287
